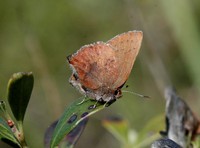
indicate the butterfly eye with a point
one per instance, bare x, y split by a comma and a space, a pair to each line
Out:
118, 92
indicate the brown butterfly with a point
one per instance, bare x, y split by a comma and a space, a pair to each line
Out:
101, 69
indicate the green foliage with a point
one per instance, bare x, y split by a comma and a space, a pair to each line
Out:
71, 123
19, 92
70, 139
128, 137
6, 133
72, 116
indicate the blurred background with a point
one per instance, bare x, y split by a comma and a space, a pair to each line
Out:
38, 35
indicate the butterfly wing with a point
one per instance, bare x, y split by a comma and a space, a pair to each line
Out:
126, 47
107, 64
95, 65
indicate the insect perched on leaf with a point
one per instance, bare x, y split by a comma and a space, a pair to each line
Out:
101, 69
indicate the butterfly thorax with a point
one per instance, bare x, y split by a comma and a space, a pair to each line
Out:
104, 94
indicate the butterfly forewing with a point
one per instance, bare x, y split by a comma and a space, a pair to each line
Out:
126, 47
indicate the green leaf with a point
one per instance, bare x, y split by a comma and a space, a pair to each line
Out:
128, 137
117, 127
72, 137
20, 87
6, 133
72, 116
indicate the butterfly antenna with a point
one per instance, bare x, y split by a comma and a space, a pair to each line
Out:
137, 94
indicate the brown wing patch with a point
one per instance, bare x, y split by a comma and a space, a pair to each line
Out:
95, 65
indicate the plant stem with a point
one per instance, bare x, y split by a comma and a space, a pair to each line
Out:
21, 136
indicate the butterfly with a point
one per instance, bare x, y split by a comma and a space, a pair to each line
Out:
101, 69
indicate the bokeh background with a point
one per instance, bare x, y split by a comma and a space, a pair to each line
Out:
38, 35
